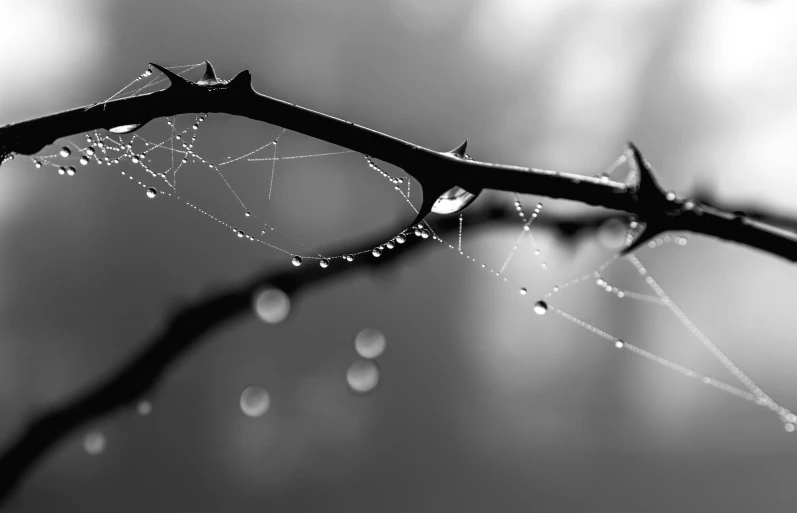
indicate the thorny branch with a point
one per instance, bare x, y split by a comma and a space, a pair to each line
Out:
438, 172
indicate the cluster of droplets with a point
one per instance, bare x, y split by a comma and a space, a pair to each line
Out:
375, 167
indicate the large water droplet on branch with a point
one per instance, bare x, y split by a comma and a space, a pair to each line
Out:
453, 200
124, 129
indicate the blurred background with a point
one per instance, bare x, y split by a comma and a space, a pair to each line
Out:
481, 405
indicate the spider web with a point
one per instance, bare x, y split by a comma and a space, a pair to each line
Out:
160, 163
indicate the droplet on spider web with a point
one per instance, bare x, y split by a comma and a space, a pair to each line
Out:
612, 233
254, 401
37, 163
400, 238
349, 258
152, 192
362, 376
370, 343
377, 252
62, 170
65, 151
523, 291
272, 305
324, 263
70, 171
123, 129
84, 160
540, 307
94, 443
297, 261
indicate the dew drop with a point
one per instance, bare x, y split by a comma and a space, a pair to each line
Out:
240, 234
123, 129
89, 151
272, 305
612, 233
376, 252
61, 170
362, 376
789, 427
417, 232
134, 159
389, 244
144, 408
370, 343
195, 126
523, 291
248, 213
297, 261
37, 163
349, 258
400, 238
540, 307
424, 234
65, 152
94, 443
84, 160
324, 263
254, 401
619, 344
453, 200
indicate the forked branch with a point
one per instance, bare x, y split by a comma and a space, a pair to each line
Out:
437, 172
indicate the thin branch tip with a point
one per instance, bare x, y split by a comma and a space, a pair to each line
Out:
175, 79
459, 151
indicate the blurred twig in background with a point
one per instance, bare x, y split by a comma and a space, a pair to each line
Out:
183, 332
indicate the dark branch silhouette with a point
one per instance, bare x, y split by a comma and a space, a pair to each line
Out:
438, 172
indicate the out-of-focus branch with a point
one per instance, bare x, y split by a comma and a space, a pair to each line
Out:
186, 329
438, 172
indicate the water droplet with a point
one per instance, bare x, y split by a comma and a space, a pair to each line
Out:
324, 263
248, 213
376, 252
94, 443
84, 160
424, 234
240, 234
523, 291
417, 232
670, 196
65, 152
362, 376
144, 408
297, 261
89, 151
453, 201
389, 244
123, 129
61, 170
195, 126
70, 171
789, 427
272, 305
619, 344
134, 159
349, 258
401, 238
254, 401
37, 163
370, 343
540, 307
147, 73
612, 233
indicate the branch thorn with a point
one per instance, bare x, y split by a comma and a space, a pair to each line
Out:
459, 151
175, 79
209, 78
